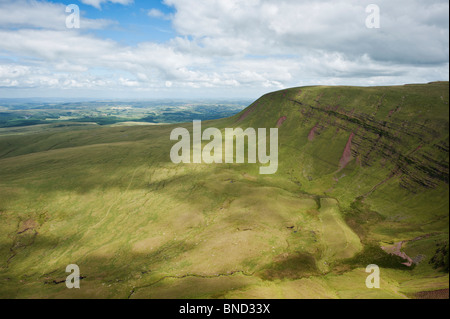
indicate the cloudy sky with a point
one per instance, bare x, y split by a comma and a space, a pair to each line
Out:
216, 48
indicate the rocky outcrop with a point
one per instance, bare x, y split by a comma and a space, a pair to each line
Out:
417, 150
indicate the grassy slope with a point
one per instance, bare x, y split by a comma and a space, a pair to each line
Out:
110, 200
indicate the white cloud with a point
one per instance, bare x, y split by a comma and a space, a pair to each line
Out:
229, 46
45, 15
413, 31
155, 13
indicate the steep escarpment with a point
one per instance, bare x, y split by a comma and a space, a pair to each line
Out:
386, 148
402, 131
416, 146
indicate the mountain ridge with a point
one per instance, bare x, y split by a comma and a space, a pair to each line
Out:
360, 168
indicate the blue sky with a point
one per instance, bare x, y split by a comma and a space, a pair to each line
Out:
217, 48
134, 24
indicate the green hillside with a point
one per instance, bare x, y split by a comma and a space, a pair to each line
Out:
363, 175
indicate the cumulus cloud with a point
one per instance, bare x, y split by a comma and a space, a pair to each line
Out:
155, 13
43, 15
413, 31
229, 45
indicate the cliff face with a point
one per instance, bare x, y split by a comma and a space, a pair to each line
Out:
400, 130
386, 146
416, 146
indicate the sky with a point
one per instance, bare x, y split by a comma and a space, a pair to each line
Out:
216, 48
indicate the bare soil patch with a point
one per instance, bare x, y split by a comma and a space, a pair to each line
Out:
438, 294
